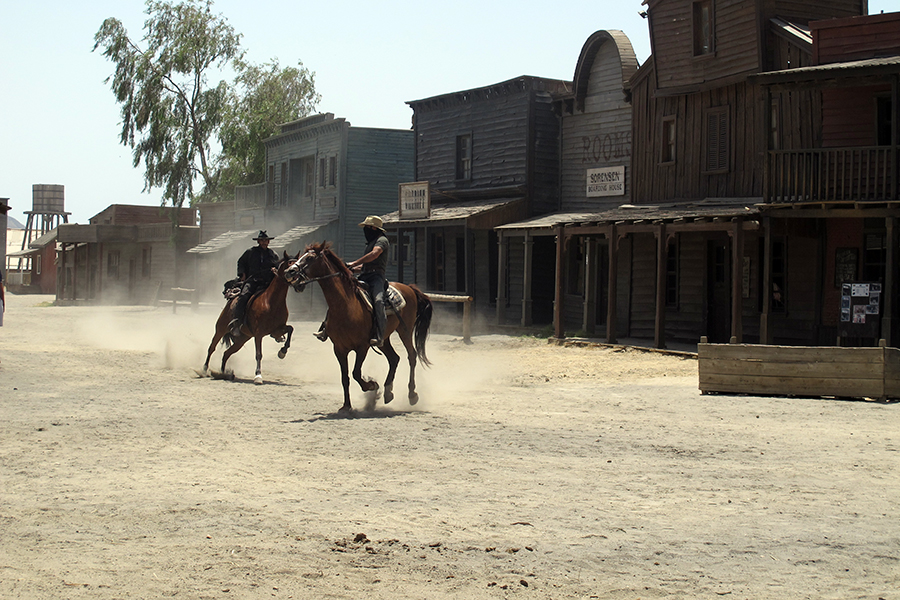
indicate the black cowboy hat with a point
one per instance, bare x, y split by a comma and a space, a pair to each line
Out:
262, 236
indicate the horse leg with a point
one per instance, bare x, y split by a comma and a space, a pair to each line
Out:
345, 378
258, 379
212, 348
367, 385
287, 344
237, 345
411, 356
393, 360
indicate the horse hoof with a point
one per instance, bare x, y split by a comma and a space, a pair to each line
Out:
258, 380
388, 396
413, 398
282, 353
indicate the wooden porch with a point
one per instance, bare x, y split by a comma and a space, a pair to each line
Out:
831, 174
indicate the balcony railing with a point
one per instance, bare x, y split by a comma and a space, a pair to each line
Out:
253, 196
831, 174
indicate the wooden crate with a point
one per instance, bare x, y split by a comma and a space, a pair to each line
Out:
799, 371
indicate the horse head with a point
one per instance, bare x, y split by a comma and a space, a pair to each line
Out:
317, 262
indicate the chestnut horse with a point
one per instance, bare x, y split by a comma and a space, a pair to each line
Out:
267, 314
349, 320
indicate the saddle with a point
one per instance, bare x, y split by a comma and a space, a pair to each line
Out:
394, 302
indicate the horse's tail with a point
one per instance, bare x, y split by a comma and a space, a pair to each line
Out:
424, 312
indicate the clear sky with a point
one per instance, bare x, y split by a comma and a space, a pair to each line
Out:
59, 122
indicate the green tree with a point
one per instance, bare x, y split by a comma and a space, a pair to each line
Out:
169, 110
263, 97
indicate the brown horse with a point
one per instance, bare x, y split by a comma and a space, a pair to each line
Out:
267, 314
349, 320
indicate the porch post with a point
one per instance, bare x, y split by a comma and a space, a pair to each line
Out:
61, 274
659, 336
400, 255
502, 257
765, 326
589, 317
895, 134
737, 270
613, 238
559, 328
890, 281
526, 281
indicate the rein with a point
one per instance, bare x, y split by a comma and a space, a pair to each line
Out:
315, 279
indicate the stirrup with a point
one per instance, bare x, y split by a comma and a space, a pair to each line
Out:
321, 335
376, 342
235, 327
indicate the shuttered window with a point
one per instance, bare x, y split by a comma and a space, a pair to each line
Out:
716, 139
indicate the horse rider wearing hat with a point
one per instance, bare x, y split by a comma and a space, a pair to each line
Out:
372, 263
256, 268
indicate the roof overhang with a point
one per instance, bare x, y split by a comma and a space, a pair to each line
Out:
475, 214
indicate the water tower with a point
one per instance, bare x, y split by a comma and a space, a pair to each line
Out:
48, 211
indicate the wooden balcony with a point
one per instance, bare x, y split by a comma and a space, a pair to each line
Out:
831, 175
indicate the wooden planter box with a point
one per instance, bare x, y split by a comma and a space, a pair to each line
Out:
799, 370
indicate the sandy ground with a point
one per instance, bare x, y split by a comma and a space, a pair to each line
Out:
526, 471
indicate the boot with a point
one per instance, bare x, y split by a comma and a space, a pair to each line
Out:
321, 334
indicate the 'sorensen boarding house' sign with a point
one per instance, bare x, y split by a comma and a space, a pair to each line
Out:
608, 181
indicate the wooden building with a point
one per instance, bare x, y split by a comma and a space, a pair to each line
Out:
323, 178
125, 255
489, 156
594, 175
695, 255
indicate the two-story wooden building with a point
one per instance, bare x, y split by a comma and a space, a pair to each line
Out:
323, 178
594, 176
700, 260
489, 156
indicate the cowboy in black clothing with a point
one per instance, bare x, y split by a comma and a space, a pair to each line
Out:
372, 263
256, 268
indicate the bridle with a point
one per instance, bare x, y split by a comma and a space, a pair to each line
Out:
301, 272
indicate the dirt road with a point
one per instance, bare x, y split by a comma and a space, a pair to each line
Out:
526, 471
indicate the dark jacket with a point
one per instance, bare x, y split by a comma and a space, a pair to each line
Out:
256, 263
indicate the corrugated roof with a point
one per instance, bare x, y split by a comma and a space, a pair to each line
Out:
283, 240
869, 66
457, 211
223, 241
708, 208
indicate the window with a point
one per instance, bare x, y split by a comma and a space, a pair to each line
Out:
332, 170
323, 170
145, 262
436, 263
112, 265
703, 28
464, 157
672, 274
716, 155
283, 196
885, 121
308, 173
668, 140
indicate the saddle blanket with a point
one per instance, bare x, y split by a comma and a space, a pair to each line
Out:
394, 301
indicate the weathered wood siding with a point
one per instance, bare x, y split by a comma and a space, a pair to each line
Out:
849, 116
515, 139
599, 135
736, 42
377, 162
654, 181
856, 39
804, 11
643, 286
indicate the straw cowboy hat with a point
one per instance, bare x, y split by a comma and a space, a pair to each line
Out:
262, 236
373, 221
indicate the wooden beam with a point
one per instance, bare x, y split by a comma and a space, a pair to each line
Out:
558, 308
526, 281
502, 259
890, 283
613, 237
589, 313
765, 325
659, 336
